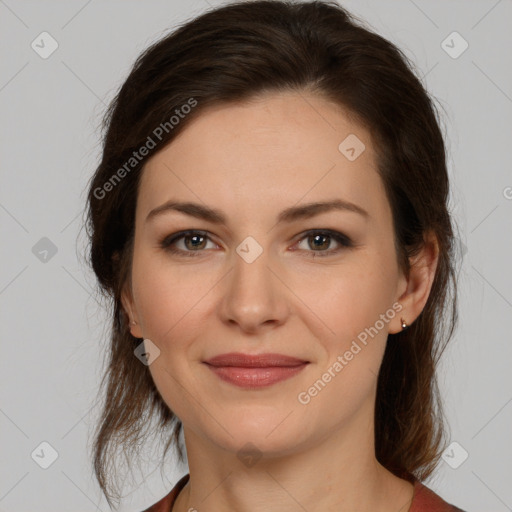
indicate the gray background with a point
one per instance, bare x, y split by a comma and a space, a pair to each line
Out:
52, 329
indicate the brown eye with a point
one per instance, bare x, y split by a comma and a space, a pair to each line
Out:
196, 241
193, 243
319, 241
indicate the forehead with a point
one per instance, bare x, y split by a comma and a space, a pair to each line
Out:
263, 155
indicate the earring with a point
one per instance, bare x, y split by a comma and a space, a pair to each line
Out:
404, 325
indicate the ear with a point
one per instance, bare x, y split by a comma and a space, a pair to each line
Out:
418, 284
129, 308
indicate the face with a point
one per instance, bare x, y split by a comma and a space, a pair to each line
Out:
317, 284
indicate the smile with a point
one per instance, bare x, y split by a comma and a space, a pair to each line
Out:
256, 377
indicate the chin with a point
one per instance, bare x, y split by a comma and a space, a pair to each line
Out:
270, 436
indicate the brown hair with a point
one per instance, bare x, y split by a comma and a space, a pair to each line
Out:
230, 54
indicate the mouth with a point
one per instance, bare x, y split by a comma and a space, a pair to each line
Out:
255, 371
255, 361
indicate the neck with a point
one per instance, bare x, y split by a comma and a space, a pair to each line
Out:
338, 473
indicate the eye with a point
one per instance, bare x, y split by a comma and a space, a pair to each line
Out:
321, 239
195, 241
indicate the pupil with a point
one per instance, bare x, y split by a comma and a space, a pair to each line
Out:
316, 237
196, 237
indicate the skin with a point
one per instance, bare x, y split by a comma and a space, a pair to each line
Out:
252, 160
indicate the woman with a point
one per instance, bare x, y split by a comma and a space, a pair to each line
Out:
270, 220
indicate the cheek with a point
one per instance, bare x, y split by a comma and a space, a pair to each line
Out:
172, 314
169, 298
346, 378
356, 306
350, 297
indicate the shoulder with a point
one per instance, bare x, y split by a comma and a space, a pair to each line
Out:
166, 503
426, 500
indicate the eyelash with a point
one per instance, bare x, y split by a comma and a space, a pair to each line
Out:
342, 239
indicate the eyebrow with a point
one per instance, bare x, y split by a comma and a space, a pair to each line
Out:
288, 215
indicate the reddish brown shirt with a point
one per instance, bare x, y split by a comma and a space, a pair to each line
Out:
424, 499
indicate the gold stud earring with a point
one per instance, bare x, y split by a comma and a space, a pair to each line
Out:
404, 325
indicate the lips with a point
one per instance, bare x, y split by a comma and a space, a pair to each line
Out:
240, 360
255, 371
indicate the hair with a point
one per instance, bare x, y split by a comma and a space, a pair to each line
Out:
232, 54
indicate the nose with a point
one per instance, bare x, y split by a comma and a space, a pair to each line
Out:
254, 295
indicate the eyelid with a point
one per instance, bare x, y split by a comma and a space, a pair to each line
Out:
344, 241
166, 242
